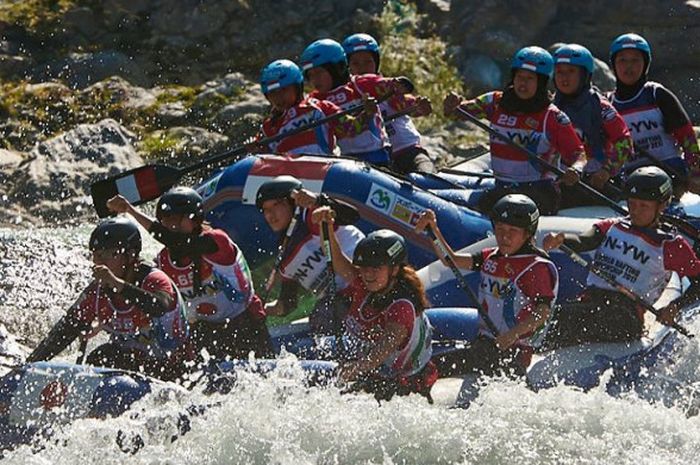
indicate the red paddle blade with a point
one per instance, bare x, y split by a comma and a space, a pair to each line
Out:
138, 186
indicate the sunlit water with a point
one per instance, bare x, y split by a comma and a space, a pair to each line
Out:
278, 420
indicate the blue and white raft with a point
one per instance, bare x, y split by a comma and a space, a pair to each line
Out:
382, 200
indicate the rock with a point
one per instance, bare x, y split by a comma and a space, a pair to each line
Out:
117, 90
188, 144
80, 70
481, 73
55, 182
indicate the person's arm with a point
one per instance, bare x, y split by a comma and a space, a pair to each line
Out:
342, 265
287, 300
73, 324
155, 298
589, 240
620, 145
119, 204
344, 212
426, 220
530, 324
480, 107
390, 341
680, 257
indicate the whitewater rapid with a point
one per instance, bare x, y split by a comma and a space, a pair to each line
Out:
278, 420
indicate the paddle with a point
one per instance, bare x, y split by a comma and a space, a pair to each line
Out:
661, 164
461, 282
280, 252
145, 183
679, 223
620, 288
331, 290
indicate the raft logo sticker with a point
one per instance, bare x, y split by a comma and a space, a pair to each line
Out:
209, 188
399, 208
380, 198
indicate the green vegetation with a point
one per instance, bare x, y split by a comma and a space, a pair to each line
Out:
158, 146
424, 60
39, 17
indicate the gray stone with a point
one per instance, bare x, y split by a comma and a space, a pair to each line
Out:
55, 182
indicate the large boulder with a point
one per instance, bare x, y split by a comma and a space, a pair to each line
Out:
54, 182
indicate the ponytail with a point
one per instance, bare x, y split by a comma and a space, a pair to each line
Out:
408, 275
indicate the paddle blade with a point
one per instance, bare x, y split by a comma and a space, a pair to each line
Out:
138, 186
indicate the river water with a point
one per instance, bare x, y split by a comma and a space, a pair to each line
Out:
277, 420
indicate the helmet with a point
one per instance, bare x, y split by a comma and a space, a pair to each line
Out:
381, 247
535, 59
575, 54
360, 42
278, 188
633, 41
649, 183
180, 200
279, 74
516, 210
119, 232
321, 52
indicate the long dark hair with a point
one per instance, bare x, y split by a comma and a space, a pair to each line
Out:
406, 285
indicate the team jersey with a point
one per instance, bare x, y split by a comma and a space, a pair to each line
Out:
128, 324
604, 133
547, 133
374, 137
650, 128
401, 130
226, 288
641, 259
304, 261
511, 287
366, 325
318, 141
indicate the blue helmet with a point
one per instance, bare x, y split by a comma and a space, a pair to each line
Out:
360, 42
279, 74
535, 59
629, 40
575, 54
322, 52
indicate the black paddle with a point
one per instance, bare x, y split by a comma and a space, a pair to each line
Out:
620, 288
462, 282
682, 225
145, 183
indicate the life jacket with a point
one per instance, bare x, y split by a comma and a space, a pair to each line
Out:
319, 141
633, 257
226, 284
502, 293
646, 123
368, 316
129, 326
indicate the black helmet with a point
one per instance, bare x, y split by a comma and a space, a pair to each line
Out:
279, 188
382, 247
516, 210
180, 200
649, 183
119, 232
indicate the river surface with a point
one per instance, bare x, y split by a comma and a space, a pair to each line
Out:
277, 420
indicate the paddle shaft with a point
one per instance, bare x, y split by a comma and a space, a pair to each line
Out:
620, 288
461, 282
280, 251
